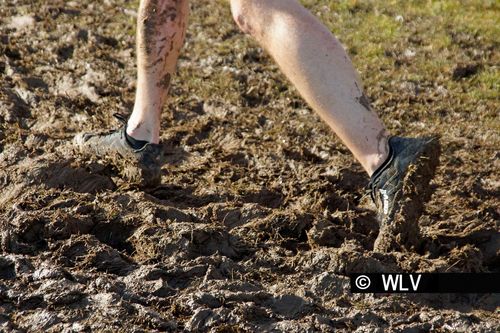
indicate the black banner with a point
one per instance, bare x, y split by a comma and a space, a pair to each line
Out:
425, 283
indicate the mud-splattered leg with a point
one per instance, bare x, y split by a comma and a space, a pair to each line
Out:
316, 63
161, 27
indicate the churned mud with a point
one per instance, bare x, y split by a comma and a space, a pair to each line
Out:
262, 212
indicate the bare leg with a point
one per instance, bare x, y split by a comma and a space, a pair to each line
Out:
161, 27
316, 63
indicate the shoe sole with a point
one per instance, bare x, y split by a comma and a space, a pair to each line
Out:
132, 171
404, 233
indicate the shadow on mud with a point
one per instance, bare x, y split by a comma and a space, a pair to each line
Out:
62, 175
183, 196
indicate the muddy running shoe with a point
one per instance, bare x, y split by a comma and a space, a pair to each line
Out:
399, 189
140, 167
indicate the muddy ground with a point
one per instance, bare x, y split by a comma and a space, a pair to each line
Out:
262, 212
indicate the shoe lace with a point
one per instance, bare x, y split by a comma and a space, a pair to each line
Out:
371, 189
121, 117
372, 186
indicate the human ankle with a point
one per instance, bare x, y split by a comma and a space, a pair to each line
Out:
381, 165
376, 161
140, 131
134, 143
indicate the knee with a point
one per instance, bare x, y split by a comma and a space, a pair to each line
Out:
244, 14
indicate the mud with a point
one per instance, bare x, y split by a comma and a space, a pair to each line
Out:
164, 82
364, 101
261, 214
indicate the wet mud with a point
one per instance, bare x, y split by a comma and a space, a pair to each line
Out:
262, 212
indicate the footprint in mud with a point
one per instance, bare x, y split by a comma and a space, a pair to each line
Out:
206, 241
184, 241
251, 302
231, 215
349, 258
15, 107
333, 232
327, 233
88, 252
277, 225
63, 175
183, 196
265, 197
57, 172
24, 233
7, 269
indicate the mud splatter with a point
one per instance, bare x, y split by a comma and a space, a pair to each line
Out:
147, 25
164, 82
152, 20
364, 101
382, 142
243, 24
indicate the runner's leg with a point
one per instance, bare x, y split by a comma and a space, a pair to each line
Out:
316, 63
161, 27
